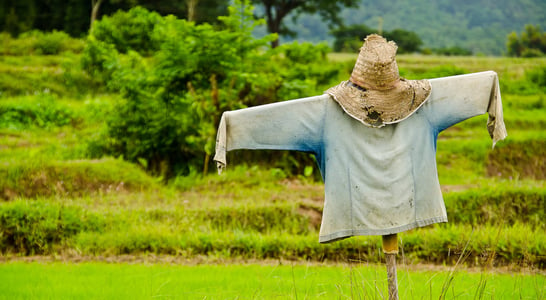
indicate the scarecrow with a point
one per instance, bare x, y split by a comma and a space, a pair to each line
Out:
374, 139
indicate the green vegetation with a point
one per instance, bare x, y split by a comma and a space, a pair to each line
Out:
105, 151
252, 281
531, 43
349, 39
59, 201
75, 17
275, 11
177, 78
479, 27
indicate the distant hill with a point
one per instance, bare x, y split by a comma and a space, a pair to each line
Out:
477, 25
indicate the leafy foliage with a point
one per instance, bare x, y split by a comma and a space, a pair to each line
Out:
174, 96
129, 30
276, 11
172, 104
36, 228
44, 113
531, 43
452, 51
39, 43
349, 38
73, 17
40, 177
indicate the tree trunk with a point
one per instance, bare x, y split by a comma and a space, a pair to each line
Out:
275, 15
95, 5
192, 4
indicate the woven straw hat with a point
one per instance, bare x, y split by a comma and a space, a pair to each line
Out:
376, 95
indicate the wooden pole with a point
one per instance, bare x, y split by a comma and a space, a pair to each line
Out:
390, 248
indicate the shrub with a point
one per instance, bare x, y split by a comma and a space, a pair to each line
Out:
497, 205
453, 51
99, 60
407, 41
45, 112
173, 101
38, 227
304, 53
531, 42
349, 38
129, 30
39, 177
40, 43
51, 43
531, 53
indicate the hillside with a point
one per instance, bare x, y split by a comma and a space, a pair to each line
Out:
480, 26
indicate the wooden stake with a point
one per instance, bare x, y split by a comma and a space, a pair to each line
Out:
390, 248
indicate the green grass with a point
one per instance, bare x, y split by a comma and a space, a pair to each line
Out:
57, 280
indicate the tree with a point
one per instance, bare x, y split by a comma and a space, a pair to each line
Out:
407, 41
198, 11
531, 43
349, 38
276, 10
175, 77
95, 5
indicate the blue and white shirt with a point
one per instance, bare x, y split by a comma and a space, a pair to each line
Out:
377, 181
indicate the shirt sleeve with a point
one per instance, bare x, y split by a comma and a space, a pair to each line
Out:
289, 125
456, 98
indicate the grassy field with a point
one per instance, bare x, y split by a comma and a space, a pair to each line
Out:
57, 202
57, 280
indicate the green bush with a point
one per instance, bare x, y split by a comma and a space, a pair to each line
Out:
350, 38
531, 42
58, 75
497, 206
39, 43
99, 60
453, 51
407, 41
26, 112
304, 53
42, 178
39, 227
173, 100
129, 30
51, 43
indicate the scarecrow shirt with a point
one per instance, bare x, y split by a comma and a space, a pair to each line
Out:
377, 181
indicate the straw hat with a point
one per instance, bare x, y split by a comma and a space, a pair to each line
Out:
375, 93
